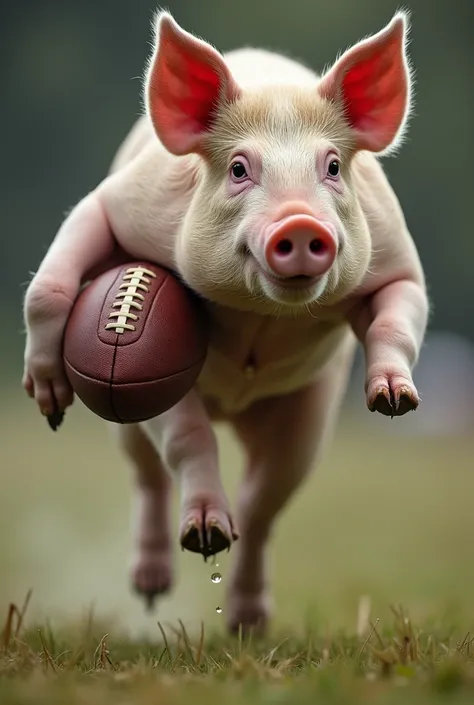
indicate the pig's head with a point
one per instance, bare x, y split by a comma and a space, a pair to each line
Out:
275, 222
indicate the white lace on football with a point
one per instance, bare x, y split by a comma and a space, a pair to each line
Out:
128, 297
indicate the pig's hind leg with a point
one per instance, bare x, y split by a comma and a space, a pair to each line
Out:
152, 567
283, 438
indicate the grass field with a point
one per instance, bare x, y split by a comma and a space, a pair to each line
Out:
384, 521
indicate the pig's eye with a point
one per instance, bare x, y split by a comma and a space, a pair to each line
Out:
333, 168
238, 170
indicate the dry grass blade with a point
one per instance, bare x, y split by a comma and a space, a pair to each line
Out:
102, 655
13, 611
465, 645
187, 643
8, 628
22, 613
286, 664
374, 631
461, 644
397, 611
269, 658
369, 636
165, 640
178, 634
407, 643
200, 649
388, 657
47, 656
178, 658
179, 654
215, 664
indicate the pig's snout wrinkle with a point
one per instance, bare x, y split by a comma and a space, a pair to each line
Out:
300, 245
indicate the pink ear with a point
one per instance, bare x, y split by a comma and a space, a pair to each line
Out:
186, 81
372, 80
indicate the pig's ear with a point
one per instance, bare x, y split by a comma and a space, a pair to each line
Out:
373, 82
186, 82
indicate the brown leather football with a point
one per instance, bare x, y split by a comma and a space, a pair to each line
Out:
135, 342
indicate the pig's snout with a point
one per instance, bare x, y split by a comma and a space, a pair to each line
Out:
299, 245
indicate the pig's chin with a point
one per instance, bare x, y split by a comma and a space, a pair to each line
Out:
293, 291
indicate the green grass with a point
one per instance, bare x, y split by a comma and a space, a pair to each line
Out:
384, 521
401, 664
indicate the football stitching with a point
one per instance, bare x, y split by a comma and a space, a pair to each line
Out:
135, 278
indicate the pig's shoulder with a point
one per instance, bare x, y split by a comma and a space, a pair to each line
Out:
376, 195
394, 254
146, 197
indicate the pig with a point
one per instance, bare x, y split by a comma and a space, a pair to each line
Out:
259, 183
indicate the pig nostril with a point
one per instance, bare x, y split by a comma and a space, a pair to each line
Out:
316, 246
284, 247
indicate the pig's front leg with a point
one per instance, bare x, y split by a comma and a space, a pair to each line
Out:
187, 444
82, 243
391, 325
282, 438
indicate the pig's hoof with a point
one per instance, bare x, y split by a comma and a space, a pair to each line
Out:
249, 612
55, 419
152, 576
392, 399
206, 533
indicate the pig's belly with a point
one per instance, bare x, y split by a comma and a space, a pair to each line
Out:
229, 388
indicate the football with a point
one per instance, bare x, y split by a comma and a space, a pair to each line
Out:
135, 342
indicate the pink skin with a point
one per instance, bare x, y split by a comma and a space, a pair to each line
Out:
388, 326
152, 566
136, 211
283, 438
49, 301
299, 245
188, 447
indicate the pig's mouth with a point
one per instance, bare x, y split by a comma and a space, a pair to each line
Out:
297, 290
299, 281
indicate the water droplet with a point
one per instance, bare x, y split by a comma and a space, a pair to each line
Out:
217, 565
216, 577
219, 610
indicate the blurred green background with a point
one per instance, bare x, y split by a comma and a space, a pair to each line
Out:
389, 513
